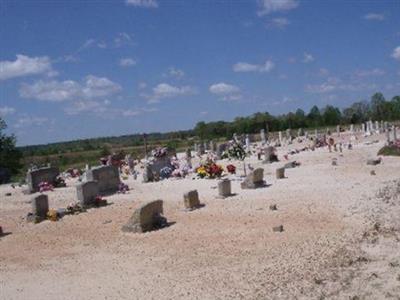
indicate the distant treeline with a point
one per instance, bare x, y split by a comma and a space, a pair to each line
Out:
378, 108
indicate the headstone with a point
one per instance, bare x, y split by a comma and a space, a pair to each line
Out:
338, 130
288, 134
220, 150
254, 180
34, 177
191, 200
148, 175
394, 133
201, 149
247, 141
235, 137
107, 178
188, 154
280, 173
262, 135
40, 206
377, 129
280, 137
213, 146
87, 192
270, 155
146, 218
352, 128
224, 188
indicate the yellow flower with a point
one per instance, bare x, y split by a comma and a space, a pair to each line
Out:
52, 215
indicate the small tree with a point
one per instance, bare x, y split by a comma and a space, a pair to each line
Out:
10, 156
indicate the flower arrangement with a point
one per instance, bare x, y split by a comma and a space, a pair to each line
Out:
99, 201
59, 182
160, 152
209, 170
236, 151
123, 188
45, 186
52, 215
231, 169
166, 172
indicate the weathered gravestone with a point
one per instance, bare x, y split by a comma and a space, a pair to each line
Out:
280, 173
191, 200
40, 207
107, 178
374, 162
254, 180
87, 192
34, 177
148, 174
270, 155
220, 150
146, 218
224, 188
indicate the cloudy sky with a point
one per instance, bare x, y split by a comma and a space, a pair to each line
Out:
78, 69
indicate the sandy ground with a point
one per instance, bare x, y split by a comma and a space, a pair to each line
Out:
341, 238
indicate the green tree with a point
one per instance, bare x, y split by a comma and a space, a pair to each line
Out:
331, 115
378, 106
10, 156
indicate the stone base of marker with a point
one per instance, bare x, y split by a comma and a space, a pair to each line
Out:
191, 200
224, 188
87, 192
148, 217
40, 208
254, 180
374, 162
273, 207
278, 228
280, 173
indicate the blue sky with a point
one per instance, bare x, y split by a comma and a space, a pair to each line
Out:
79, 69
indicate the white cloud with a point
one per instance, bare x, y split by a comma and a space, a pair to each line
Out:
308, 58
29, 121
58, 91
246, 67
374, 17
368, 73
165, 90
323, 72
143, 3
142, 85
82, 106
131, 113
6, 110
23, 66
270, 6
174, 72
278, 23
123, 39
335, 84
227, 92
396, 53
127, 62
